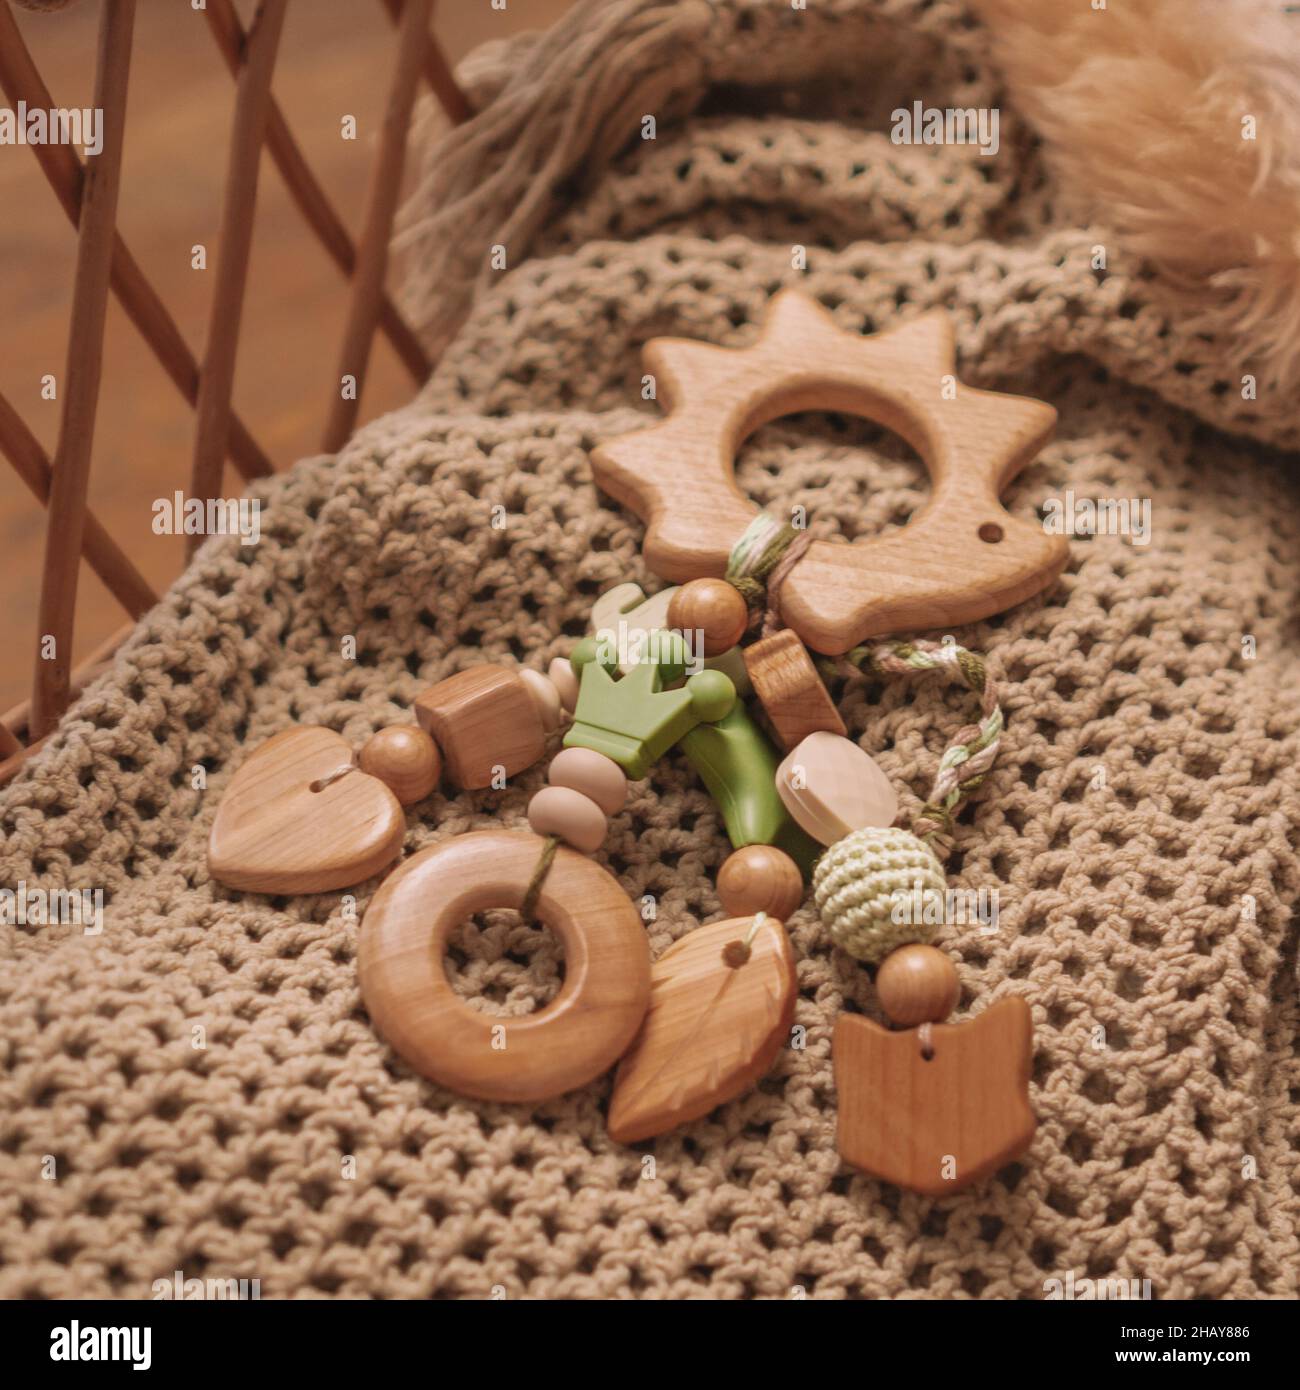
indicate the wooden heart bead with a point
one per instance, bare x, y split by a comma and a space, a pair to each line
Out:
289, 823
405, 759
577, 1036
484, 719
575, 818
760, 878
832, 787
790, 690
592, 774
917, 984
713, 608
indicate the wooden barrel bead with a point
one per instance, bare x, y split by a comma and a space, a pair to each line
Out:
592, 774
712, 607
405, 759
545, 698
760, 878
575, 818
917, 984
565, 680
484, 720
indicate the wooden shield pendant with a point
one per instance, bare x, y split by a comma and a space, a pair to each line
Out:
935, 1124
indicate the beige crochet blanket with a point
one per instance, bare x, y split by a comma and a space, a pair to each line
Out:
197, 1087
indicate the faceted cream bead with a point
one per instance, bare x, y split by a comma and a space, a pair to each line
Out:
592, 774
545, 698
565, 680
575, 818
832, 788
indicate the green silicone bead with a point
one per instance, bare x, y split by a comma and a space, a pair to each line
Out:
591, 649
712, 695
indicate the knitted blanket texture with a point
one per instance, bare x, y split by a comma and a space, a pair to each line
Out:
198, 1089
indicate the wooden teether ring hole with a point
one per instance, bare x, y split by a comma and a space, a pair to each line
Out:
576, 1037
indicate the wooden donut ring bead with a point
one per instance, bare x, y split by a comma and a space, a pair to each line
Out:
592, 774
917, 984
760, 878
405, 759
713, 608
574, 1039
575, 818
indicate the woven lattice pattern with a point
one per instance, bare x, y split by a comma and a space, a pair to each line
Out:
1165, 1012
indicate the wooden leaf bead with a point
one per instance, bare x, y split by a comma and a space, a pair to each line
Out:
405, 759
713, 608
790, 690
760, 878
592, 774
545, 697
565, 680
483, 718
917, 984
575, 818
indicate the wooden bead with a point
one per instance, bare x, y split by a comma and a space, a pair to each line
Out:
760, 878
575, 818
545, 697
581, 1033
832, 788
592, 774
917, 984
565, 680
482, 718
290, 823
405, 759
935, 1110
712, 607
790, 690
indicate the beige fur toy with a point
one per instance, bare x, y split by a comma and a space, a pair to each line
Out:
1177, 122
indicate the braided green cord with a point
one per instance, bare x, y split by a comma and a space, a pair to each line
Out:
756, 554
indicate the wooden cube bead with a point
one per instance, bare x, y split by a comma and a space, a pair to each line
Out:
790, 690
917, 984
405, 759
575, 818
483, 718
760, 878
713, 608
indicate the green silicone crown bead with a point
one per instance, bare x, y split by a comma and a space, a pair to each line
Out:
634, 720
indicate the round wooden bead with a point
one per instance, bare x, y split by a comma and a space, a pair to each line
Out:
592, 774
565, 680
917, 984
545, 698
713, 607
760, 878
575, 818
406, 759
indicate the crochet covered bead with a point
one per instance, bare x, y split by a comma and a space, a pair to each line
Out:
855, 883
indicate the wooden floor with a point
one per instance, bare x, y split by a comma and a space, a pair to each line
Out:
335, 60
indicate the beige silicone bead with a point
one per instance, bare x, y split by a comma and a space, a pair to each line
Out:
565, 680
575, 818
592, 774
545, 698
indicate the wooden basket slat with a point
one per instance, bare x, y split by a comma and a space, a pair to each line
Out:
381, 209
217, 379
127, 585
66, 518
310, 197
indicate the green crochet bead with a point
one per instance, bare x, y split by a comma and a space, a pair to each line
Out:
855, 883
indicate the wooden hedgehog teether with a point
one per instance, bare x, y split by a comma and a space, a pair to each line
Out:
928, 1105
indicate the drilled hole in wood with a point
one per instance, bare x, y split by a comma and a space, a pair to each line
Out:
991, 533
